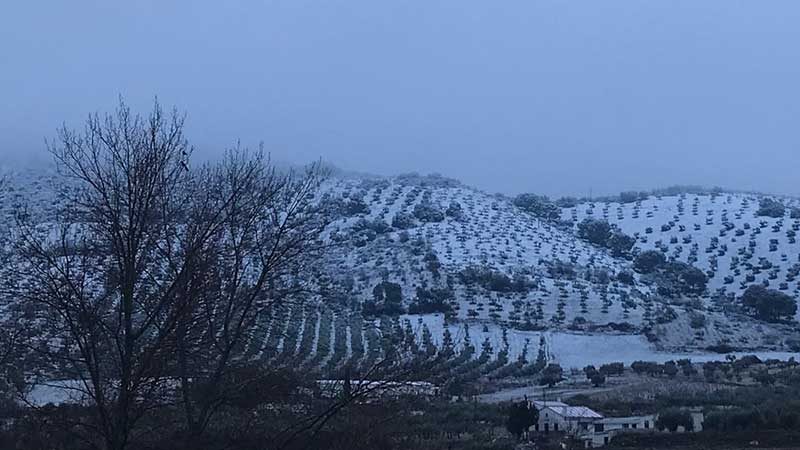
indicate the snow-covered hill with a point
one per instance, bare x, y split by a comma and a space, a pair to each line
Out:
428, 257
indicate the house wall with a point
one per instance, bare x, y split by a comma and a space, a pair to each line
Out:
595, 439
548, 419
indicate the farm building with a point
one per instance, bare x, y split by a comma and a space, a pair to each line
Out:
603, 430
560, 417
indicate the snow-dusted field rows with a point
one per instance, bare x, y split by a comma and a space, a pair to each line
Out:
427, 234
721, 234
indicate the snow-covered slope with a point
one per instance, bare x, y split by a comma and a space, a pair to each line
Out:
484, 271
718, 233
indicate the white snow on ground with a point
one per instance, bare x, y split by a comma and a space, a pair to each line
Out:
55, 392
492, 232
577, 350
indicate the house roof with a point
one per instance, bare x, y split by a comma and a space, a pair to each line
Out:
622, 420
575, 412
543, 404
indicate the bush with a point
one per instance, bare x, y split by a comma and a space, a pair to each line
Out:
561, 270
721, 348
521, 416
768, 304
431, 301
567, 202
679, 278
632, 196
387, 298
403, 221
670, 369
427, 213
671, 419
355, 206
610, 369
492, 280
626, 277
649, 261
551, 375
697, 321
595, 231
771, 208
377, 226
620, 243
603, 234
647, 367
537, 205
454, 211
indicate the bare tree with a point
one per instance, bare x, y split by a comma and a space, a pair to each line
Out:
156, 277
114, 276
254, 262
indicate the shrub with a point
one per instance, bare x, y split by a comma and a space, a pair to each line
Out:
671, 419
561, 270
492, 280
649, 261
721, 348
454, 210
679, 278
626, 277
647, 367
551, 375
427, 213
620, 243
595, 231
521, 416
403, 221
377, 226
697, 321
355, 206
431, 301
670, 369
610, 369
631, 196
567, 202
387, 298
603, 234
768, 304
768, 207
537, 205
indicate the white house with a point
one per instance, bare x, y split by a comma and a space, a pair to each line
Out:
602, 431
560, 417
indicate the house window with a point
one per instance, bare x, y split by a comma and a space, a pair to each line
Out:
605, 440
536, 427
598, 428
546, 427
624, 425
633, 426
555, 427
647, 424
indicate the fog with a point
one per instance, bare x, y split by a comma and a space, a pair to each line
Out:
556, 97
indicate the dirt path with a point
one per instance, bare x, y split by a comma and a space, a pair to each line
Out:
537, 393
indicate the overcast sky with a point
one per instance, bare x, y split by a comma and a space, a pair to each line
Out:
558, 97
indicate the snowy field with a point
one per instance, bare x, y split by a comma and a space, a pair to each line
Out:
577, 350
